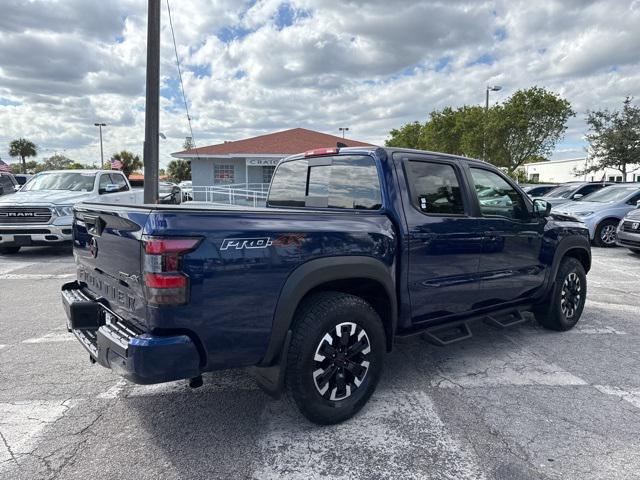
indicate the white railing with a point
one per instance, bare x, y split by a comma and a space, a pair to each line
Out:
246, 194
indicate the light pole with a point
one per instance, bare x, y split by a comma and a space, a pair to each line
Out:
100, 125
343, 130
494, 88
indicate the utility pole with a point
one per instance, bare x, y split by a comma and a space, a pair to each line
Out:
99, 125
495, 88
152, 105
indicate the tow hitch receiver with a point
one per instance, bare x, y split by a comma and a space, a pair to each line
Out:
83, 313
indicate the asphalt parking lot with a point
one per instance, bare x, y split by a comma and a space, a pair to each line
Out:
522, 403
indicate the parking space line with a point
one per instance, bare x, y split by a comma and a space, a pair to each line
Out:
53, 337
629, 395
8, 267
35, 276
597, 331
114, 391
22, 425
398, 434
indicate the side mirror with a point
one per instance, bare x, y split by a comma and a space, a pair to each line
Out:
110, 188
577, 196
541, 208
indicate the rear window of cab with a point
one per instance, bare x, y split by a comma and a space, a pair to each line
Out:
344, 182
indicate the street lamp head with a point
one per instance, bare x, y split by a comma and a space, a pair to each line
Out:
100, 124
495, 88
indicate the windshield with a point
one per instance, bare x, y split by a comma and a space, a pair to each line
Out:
562, 192
72, 181
611, 194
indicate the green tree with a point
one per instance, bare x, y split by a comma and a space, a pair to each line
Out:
407, 136
528, 125
179, 170
130, 161
614, 139
23, 148
57, 162
525, 128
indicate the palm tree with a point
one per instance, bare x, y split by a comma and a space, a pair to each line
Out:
179, 170
23, 148
130, 161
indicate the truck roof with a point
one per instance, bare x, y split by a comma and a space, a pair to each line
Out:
80, 170
389, 150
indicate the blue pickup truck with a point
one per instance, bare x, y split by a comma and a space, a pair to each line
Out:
355, 247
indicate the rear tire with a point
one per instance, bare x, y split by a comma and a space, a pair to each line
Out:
9, 250
563, 307
335, 358
605, 234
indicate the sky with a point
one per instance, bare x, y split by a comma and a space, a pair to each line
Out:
256, 67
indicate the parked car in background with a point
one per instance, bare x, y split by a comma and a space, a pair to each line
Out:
537, 190
8, 184
572, 191
602, 211
187, 190
169, 193
629, 231
22, 178
42, 211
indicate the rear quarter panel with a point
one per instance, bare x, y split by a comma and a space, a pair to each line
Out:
234, 291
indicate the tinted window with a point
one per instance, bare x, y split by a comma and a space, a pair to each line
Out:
587, 189
105, 180
5, 181
289, 184
496, 196
348, 182
119, 180
435, 188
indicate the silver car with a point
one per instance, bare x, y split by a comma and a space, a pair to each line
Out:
602, 211
572, 191
629, 231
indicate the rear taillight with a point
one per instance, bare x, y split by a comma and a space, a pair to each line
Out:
164, 281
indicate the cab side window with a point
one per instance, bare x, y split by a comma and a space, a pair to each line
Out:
119, 180
496, 196
105, 180
435, 188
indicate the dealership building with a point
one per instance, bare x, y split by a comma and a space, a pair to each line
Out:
247, 165
568, 170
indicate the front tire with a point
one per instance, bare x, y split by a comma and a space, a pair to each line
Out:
563, 306
335, 358
9, 250
605, 234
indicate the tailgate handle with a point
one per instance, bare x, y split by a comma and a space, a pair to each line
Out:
95, 225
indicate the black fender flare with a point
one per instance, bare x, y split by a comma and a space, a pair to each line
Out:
315, 273
573, 242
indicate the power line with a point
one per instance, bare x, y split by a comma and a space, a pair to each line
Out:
184, 96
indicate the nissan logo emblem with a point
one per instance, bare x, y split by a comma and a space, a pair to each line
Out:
93, 247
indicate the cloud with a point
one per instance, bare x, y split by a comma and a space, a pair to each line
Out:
252, 67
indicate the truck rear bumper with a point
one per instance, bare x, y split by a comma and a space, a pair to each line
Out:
114, 343
34, 235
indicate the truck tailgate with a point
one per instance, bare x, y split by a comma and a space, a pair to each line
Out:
108, 250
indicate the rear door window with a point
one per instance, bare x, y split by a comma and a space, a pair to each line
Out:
345, 182
435, 188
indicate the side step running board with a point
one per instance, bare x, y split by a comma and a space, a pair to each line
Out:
505, 321
447, 334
